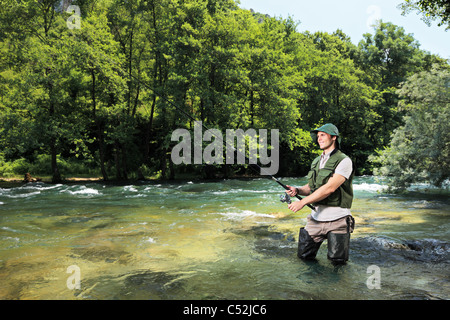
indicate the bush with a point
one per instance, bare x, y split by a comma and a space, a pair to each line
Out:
41, 165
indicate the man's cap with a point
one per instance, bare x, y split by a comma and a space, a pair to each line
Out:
329, 128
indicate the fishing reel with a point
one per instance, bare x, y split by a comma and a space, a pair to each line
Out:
285, 198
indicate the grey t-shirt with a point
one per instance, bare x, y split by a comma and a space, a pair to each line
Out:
327, 213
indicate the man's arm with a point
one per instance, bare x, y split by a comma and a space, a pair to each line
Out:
324, 191
303, 191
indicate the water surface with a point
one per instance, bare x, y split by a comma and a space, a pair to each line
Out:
228, 239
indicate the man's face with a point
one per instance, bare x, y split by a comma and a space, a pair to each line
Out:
325, 140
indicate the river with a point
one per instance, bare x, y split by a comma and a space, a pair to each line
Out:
227, 239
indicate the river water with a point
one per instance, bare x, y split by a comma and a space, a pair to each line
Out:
228, 239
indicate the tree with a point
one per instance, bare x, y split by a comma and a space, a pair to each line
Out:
98, 56
420, 149
430, 9
335, 91
33, 29
388, 58
107, 91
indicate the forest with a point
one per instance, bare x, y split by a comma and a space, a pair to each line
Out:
93, 88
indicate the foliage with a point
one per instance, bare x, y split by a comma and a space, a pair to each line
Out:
104, 95
420, 149
430, 9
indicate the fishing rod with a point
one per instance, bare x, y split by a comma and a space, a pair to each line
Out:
287, 199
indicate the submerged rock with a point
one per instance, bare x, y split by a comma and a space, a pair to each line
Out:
269, 242
264, 232
153, 285
424, 250
101, 253
430, 250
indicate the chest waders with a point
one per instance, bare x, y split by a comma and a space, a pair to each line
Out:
338, 242
307, 247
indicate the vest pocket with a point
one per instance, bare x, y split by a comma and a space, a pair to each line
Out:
323, 175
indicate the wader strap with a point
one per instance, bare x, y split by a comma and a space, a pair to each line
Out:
350, 223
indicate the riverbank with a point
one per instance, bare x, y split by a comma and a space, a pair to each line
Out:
16, 180
86, 179
48, 179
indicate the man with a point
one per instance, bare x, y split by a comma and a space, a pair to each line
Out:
330, 190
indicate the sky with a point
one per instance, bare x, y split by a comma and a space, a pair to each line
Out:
354, 18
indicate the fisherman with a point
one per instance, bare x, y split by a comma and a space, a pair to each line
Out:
330, 191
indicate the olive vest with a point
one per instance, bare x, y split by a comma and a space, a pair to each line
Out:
343, 196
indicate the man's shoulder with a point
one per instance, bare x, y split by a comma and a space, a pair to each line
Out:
345, 167
339, 154
346, 161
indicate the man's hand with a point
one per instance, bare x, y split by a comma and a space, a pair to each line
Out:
324, 191
296, 206
303, 191
292, 191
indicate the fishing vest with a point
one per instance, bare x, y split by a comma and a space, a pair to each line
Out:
343, 196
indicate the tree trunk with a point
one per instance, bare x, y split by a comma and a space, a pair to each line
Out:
56, 176
101, 153
252, 108
124, 162
117, 162
99, 130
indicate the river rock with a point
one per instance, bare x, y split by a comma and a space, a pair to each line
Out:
28, 178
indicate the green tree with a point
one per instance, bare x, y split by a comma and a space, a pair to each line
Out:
335, 91
388, 58
431, 10
420, 149
107, 91
98, 56
33, 30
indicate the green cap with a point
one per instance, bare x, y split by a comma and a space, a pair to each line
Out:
327, 128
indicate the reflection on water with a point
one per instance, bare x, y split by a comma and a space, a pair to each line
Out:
230, 239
